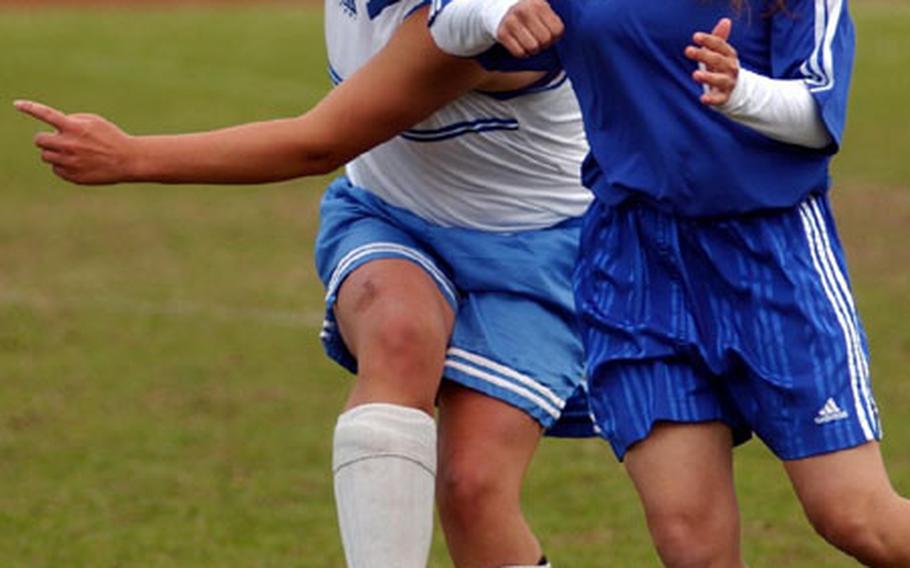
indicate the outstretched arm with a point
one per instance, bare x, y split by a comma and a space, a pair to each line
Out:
403, 84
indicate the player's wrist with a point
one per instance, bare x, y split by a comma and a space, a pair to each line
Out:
467, 28
493, 13
135, 162
741, 94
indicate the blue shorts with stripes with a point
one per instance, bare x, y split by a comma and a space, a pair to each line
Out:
749, 321
515, 337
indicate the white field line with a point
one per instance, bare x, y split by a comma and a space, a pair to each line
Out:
180, 309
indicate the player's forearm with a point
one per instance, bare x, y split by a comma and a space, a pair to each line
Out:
252, 153
780, 109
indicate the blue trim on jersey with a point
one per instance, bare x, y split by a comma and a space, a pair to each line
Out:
436, 6
375, 7
334, 76
550, 81
818, 68
498, 58
460, 128
415, 8
828, 69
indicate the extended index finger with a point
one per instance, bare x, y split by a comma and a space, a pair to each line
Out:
43, 113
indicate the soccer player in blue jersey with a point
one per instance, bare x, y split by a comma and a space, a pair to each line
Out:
711, 283
446, 252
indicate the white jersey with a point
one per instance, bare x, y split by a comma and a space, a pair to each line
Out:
487, 161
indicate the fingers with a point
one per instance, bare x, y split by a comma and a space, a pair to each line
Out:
73, 173
719, 63
529, 27
714, 98
714, 43
49, 141
716, 81
520, 41
44, 113
56, 153
723, 28
65, 173
553, 24
713, 60
56, 158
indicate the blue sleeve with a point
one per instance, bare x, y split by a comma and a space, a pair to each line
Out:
814, 40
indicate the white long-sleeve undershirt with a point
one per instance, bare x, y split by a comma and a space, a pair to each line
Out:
468, 27
782, 109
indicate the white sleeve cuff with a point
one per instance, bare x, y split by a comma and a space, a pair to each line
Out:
782, 109
468, 27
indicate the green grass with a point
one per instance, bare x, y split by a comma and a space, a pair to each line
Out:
164, 400
876, 144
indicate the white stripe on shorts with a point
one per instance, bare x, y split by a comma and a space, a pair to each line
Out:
386, 248
492, 372
820, 260
844, 290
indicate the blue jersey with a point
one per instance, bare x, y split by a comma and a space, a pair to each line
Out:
650, 135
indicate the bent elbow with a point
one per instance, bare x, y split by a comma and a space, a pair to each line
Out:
320, 162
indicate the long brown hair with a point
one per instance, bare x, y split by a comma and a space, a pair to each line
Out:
774, 6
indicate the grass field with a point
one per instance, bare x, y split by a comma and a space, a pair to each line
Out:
164, 400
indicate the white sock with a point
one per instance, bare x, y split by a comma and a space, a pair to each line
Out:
385, 467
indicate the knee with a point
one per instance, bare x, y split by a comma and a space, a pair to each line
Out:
407, 342
857, 529
688, 536
392, 324
463, 489
399, 363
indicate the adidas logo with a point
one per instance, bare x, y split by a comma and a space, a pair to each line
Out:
830, 412
350, 7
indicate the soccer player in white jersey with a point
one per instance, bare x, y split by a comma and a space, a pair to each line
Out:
446, 252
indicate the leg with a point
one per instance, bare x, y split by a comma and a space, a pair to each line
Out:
849, 500
485, 448
684, 476
396, 323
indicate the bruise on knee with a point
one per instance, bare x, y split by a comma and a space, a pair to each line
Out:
393, 306
364, 295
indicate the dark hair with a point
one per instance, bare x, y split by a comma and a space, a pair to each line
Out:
773, 7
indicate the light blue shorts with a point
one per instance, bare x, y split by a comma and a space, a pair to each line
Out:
515, 337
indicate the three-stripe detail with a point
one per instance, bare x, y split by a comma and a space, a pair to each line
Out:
819, 68
838, 294
506, 378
